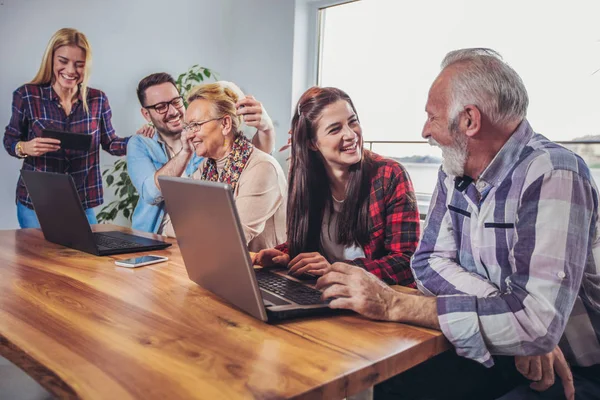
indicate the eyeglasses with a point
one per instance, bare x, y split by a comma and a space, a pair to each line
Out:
196, 126
163, 107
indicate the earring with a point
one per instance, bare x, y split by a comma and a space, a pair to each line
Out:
226, 143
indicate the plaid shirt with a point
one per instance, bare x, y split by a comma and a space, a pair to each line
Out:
513, 257
37, 107
393, 224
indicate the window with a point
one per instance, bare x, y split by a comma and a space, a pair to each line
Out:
386, 54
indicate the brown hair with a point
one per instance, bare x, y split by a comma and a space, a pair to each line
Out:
152, 80
309, 189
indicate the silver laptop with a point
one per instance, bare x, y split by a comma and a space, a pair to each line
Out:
213, 246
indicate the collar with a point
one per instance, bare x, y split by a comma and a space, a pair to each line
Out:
508, 155
462, 182
52, 95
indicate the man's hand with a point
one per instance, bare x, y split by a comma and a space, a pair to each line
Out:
40, 146
271, 257
353, 288
146, 130
312, 263
541, 369
254, 114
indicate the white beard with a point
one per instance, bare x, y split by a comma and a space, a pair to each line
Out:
455, 155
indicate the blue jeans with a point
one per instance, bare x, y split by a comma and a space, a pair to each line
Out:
28, 219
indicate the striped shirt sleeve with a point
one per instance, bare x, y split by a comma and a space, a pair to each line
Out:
555, 222
435, 264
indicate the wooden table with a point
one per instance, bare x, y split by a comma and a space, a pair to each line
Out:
85, 328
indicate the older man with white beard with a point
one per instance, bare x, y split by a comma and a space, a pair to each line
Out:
507, 259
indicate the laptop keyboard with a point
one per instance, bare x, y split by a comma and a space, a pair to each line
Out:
113, 243
286, 288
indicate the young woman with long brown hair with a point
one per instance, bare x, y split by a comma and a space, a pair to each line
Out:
344, 203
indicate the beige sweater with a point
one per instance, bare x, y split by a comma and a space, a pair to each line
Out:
261, 200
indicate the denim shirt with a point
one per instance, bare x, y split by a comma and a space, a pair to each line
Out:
145, 156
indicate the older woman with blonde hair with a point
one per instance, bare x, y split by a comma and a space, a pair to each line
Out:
59, 98
258, 182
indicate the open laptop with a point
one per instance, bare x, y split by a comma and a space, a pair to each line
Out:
216, 257
63, 219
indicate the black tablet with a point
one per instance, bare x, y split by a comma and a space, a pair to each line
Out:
69, 140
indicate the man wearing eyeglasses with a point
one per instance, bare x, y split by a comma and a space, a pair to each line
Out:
169, 152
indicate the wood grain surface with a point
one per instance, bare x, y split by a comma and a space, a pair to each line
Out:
86, 328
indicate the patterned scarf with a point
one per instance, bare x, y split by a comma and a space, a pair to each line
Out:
235, 164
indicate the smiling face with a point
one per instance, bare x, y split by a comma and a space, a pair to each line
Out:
210, 133
171, 122
441, 130
68, 66
339, 136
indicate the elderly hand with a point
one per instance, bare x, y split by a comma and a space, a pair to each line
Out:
186, 142
270, 257
353, 288
254, 114
146, 130
541, 369
312, 263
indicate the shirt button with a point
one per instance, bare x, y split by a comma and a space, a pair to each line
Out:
561, 274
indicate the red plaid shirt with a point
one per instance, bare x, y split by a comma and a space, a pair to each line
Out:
37, 107
393, 225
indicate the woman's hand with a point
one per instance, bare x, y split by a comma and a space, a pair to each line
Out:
40, 146
146, 130
186, 142
270, 257
312, 263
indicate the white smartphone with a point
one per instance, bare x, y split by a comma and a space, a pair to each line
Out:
140, 261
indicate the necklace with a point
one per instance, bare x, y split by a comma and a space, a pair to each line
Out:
334, 199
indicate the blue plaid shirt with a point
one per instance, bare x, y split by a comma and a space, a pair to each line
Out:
512, 256
145, 156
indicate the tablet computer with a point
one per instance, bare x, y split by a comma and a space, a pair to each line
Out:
69, 140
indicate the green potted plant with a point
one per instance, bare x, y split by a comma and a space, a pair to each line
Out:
117, 177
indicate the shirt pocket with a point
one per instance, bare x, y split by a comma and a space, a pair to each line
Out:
499, 225
39, 124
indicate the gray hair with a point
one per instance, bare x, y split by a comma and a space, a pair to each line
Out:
488, 82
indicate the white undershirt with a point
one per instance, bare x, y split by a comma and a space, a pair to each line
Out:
335, 251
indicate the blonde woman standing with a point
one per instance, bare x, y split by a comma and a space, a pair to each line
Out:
59, 98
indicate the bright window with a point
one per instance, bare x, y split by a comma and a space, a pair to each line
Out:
386, 54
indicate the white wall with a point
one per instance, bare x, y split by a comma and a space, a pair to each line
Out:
246, 41
262, 48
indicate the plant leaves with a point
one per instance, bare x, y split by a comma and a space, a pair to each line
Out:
109, 180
